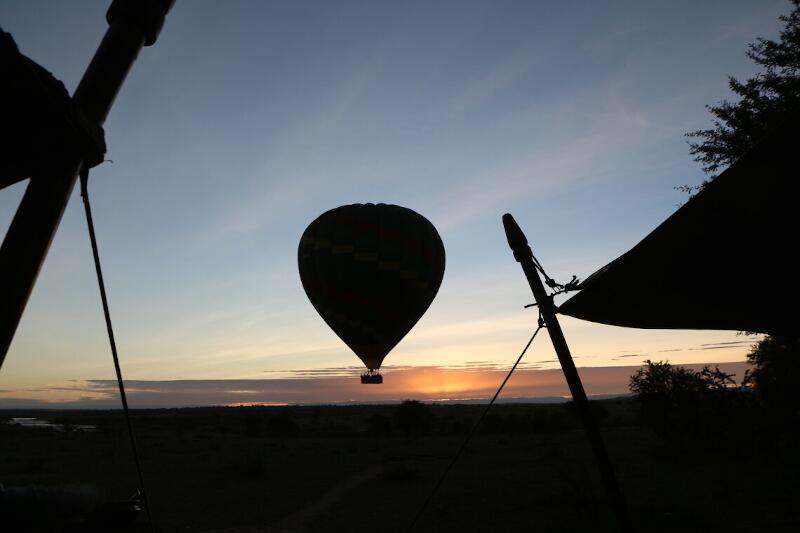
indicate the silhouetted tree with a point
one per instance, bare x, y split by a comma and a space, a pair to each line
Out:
252, 424
414, 418
598, 409
664, 381
493, 423
715, 380
674, 396
518, 423
775, 373
379, 425
766, 99
281, 425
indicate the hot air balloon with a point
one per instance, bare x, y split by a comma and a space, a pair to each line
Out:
371, 271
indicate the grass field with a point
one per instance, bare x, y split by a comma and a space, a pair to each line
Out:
367, 468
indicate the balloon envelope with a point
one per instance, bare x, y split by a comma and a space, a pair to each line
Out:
371, 271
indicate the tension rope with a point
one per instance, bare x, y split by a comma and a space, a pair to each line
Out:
472, 431
558, 288
84, 178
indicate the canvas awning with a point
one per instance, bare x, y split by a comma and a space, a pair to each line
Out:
727, 259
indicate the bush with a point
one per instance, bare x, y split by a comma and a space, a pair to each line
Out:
379, 425
252, 425
414, 418
281, 425
775, 373
597, 408
677, 399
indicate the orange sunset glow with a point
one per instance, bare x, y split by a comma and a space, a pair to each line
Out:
421, 383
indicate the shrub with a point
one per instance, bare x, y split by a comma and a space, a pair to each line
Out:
414, 418
775, 373
675, 399
379, 425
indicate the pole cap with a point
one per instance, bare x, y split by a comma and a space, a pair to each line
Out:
516, 239
147, 14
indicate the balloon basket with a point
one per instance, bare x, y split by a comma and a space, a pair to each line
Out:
371, 377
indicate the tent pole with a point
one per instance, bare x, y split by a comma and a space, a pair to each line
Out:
132, 25
524, 255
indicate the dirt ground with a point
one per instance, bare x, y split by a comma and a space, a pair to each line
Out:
359, 469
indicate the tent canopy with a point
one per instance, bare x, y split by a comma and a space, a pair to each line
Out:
727, 259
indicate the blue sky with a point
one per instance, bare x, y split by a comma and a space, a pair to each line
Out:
248, 119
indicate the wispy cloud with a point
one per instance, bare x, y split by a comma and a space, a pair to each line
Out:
272, 185
497, 78
732, 344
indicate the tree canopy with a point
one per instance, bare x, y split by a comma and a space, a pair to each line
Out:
775, 372
765, 99
674, 398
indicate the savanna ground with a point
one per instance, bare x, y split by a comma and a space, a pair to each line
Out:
369, 468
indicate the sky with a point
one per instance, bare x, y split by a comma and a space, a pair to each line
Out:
246, 120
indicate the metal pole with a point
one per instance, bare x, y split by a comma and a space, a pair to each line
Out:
132, 25
524, 255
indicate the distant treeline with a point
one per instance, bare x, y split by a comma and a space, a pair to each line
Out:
410, 418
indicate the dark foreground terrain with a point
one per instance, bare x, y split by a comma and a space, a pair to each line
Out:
369, 468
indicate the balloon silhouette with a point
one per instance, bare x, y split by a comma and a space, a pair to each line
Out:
371, 271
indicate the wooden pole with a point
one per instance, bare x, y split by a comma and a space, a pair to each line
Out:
524, 255
132, 25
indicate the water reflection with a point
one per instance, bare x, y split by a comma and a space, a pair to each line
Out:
32, 422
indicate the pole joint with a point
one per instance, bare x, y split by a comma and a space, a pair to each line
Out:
547, 316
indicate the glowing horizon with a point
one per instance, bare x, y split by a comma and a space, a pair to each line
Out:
432, 384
